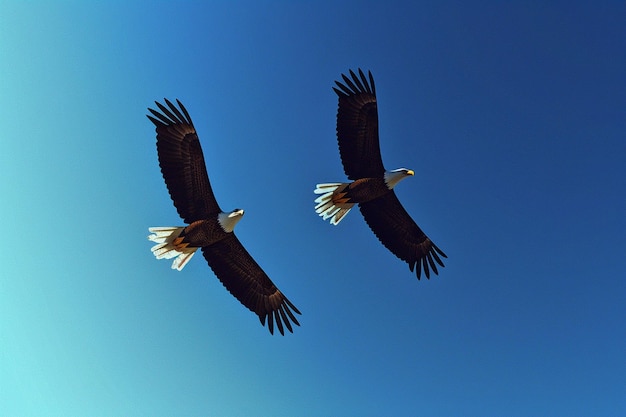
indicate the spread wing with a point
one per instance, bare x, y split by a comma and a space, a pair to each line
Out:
357, 127
401, 235
244, 278
182, 163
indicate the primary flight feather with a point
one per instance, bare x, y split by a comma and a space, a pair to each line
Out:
209, 228
372, 185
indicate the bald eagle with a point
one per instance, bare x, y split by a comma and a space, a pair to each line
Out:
372, 185
209, 228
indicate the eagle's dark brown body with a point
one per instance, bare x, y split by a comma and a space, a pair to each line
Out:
361, 191
202, 233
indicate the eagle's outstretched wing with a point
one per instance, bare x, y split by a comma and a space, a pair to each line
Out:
182, 163
245, 279
401, 235
357, 127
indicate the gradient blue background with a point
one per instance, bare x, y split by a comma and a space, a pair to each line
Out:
511, 114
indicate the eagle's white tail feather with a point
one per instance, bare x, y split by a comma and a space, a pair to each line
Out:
330, 213
324, 188
160, 234
338, 216
182, 259
325, 206
166, 249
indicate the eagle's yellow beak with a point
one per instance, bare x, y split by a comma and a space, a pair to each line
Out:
410, 172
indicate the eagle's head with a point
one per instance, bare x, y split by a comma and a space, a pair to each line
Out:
394, 176
229, 220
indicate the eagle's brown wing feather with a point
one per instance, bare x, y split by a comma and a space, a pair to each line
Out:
357, 127
401, 235
244, 278
182, 163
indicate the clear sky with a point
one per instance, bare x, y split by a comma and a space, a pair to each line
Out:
512, 115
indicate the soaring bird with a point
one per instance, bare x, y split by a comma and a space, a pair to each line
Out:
209, 228
372, 185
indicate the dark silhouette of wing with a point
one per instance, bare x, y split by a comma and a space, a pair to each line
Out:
245, 279
182, 163
401, 235
357, 127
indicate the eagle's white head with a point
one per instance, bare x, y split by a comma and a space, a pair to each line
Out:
229, 220
394, 176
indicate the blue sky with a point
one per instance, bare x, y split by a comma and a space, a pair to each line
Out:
511, 114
